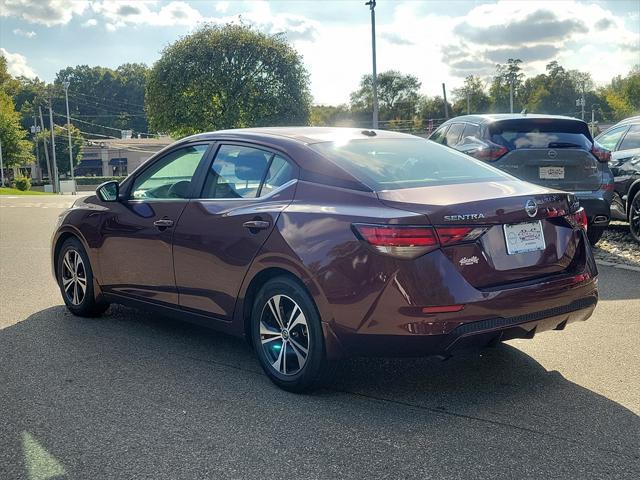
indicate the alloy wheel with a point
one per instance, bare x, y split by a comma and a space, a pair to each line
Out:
284, 334
74, 277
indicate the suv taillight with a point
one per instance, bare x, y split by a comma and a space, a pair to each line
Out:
489, 151
405, 241
578, 219
602, 154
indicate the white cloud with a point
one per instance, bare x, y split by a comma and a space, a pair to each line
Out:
24, 33
45, 12
222, 7
92, 22
17, 64
117, 14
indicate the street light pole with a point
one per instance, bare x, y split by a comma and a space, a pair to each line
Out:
582, 101
1, 166
56, 187
374, 78
511, 94
65, 84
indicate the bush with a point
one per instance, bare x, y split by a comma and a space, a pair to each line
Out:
23, 183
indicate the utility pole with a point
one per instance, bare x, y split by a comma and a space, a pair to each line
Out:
46, 151
374, 78
446, 107
468, 102
53, 150
1, 166
35, 139
65, 84
593, 119
582, 101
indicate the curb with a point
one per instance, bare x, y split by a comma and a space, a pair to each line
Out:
621, 266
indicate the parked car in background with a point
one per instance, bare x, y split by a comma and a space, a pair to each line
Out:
315, 243
623, 139
549, 150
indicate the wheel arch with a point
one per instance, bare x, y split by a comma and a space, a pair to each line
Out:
633, 190
61, 237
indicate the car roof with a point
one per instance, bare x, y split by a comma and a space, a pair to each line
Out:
627, 121
304, 135
496, 117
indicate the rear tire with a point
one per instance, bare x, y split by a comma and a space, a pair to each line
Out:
634, 217
594, 234
75, 279
287, 335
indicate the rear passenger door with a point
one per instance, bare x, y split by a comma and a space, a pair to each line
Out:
221, 230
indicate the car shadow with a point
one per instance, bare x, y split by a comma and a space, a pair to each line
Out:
132, 394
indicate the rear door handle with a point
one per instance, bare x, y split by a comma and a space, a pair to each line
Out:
163, 223
256, 224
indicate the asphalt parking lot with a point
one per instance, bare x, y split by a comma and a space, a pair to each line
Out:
130, 395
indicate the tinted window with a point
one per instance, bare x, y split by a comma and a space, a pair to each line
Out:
541, 133
169, 177
438, 135
280, 172
236, 172
471, 130
610, 139
389, 164
453, 134
631, 139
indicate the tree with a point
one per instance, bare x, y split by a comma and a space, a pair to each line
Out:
105, 100
329, 115
62, 148
398, 96
16, 149
499, 91
227, 77
479, 101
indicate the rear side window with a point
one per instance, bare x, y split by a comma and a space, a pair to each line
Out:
541, 133
610, 139
631, 139
471, 130
390, 164
453, 134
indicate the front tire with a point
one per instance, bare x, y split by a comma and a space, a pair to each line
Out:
75, 279
287, 336
634, 217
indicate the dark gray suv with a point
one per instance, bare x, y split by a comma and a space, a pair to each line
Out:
549, 150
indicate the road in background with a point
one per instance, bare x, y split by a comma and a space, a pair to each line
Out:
134, 395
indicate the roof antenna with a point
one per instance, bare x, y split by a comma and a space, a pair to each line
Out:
369, 133
524, 111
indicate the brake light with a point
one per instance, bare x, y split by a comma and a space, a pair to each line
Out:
608, 187
413, 241
451, 235
602, 154
489, 152
578, 219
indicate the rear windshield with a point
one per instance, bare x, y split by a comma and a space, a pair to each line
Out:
391, 164
541, 133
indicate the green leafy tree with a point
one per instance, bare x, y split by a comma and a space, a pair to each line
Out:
432, 108
499, 91
62, 148
474, 88
16, 149
329, 115
398, 96
227, 77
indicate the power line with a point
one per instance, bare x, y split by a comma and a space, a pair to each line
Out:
109, 100
103, 126
104, 106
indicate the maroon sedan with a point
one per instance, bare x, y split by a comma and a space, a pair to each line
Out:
315, 243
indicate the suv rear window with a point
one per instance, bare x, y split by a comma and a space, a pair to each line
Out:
391, 164
541, 133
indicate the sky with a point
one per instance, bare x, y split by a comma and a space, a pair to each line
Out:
437, 41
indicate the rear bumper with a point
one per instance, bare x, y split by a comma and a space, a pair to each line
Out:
597, 205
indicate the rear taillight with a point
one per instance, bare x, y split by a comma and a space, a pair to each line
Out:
413, 241
489, 152
602, 154
578, 219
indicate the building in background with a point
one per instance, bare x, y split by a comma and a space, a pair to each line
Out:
117, 157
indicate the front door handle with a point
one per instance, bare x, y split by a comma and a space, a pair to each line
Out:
163, 223
256, 224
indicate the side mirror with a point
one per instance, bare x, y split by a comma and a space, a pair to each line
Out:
108, 191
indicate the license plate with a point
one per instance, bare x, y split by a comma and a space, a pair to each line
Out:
524, 237
551, 173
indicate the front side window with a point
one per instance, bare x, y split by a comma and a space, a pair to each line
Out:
610, 139
438, 135
236, 172
169, 177
389, 164
631, 139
